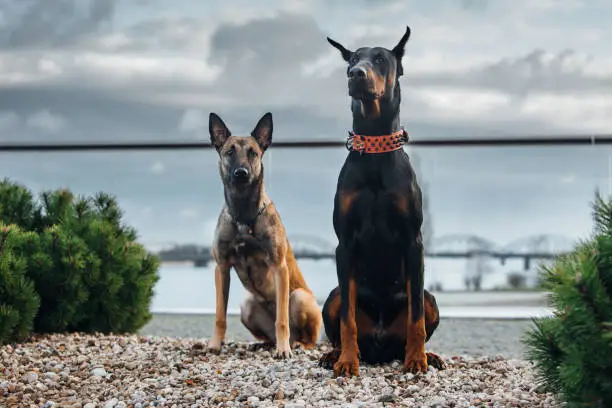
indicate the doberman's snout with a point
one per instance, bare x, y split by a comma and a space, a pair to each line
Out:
241, 174
357, 73
358, 82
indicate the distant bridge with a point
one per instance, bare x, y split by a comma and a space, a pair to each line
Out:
450, 246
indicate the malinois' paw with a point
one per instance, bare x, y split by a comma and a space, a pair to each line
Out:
215, 351
328, 359
214, 346
435, 361
283, 351
346, 368
415, 364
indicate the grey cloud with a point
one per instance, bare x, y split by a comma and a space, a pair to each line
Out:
176, 33
536, 71
266, 53
45, 23
101, 10
474, 5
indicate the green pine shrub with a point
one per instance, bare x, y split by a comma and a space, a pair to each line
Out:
17, 206
90, 273
19, 301
572, 350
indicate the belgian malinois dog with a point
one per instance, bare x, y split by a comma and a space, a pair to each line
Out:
250, 237
379, 311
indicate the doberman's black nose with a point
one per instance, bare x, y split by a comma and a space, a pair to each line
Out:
241, 174
357, 73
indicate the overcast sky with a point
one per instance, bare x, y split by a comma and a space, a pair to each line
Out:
152, 70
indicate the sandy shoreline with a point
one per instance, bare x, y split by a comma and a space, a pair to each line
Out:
136, 371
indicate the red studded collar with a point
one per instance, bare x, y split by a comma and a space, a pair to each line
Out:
377, 144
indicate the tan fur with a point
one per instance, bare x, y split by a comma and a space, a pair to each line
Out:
416, 358
242, 146
348, 362
281, 308
371, 108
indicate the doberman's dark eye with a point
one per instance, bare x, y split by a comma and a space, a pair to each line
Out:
380, 60
354, 59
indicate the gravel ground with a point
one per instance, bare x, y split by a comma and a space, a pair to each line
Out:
473, 337
132, 371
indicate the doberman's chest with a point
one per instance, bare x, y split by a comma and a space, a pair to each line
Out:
373, 220
374, 232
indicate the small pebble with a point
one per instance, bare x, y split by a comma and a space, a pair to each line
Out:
30, 377
112, 403
99, 372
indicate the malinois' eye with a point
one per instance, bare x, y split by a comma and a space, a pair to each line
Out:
252, 153
230, 151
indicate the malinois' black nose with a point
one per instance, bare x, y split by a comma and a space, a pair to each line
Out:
241, 174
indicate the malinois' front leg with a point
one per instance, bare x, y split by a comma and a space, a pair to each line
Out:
222, 284
281, 275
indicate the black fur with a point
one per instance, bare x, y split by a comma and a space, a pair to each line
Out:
243, 201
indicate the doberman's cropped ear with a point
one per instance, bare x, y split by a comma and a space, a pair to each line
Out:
398, 50
346, 54
218, 131
263, 131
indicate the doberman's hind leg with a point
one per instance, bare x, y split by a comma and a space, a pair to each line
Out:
331, 322
259, 320
304, 319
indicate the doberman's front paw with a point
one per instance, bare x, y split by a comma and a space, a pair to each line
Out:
346, 368
436, 361
302, 345
264, 345
328, 359
416, 364
283, 351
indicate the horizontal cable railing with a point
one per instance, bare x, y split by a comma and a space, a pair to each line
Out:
552, 140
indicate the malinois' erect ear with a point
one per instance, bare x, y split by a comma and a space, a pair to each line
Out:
398, 50
346, 54
263, 131
218, 131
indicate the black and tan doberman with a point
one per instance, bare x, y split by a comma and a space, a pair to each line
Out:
380, 311
250, 237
